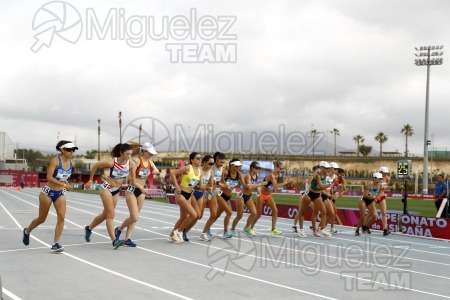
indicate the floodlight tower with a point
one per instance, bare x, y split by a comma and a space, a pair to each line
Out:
427, 56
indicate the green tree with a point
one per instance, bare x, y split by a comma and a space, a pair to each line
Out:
381, 138
365, 150
407, 130
358, 140
91, 154
31, 156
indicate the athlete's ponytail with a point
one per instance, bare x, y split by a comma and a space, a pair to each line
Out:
119, 149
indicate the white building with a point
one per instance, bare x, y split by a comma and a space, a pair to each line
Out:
8, 161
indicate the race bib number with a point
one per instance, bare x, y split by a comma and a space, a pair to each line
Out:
131, 189
46, 190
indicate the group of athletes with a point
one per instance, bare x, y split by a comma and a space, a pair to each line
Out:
205, 182
325, 185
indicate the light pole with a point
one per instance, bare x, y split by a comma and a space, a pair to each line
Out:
427, 56
98, 150
140, 130
120, 126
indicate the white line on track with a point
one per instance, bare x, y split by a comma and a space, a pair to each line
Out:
10, 295
237, 274
95, 265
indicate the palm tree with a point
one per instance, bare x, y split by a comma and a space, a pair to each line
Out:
381, 138
358, 139
313, 133
335, 132
407, 130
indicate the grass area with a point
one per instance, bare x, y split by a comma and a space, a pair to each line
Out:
422, 207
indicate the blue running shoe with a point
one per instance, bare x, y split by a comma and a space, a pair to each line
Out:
130, 243
117, 243
117, 232
57, 247
26, 238
185, 238
233, 233
87, 233
227, 235
208, 233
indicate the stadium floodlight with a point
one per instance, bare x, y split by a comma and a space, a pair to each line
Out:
426, 51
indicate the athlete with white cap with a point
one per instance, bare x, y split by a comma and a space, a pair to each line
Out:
317, 187
53, 192
373, 191
382, 200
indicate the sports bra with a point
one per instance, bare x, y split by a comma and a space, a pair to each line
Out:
119, 171
217, 174
142, 172
372, 191
60, 174
232, 182
190, 180
314, 184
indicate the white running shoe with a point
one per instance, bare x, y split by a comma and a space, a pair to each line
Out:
302, 234
172, 239
332, 230
204, 237
317, 234
178, 236
325, 233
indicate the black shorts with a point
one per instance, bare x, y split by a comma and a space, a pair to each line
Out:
186, 195
132, 189
225, 197
313, 195
368, 201
246, 197
324, 198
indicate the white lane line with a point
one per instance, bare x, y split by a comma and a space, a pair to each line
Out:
214, 269
389, 255
261, 258
95, 265
10, 295
209, 267
236, 274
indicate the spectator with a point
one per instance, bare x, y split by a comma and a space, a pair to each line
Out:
440, 192
22, 182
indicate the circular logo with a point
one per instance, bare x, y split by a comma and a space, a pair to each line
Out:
56, 18
153, 131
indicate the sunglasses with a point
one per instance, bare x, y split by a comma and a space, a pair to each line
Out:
198, 157
211, 164
257, 168
69, 149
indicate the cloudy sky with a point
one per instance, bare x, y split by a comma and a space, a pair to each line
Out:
297, 66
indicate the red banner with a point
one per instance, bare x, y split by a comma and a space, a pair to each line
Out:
30, 179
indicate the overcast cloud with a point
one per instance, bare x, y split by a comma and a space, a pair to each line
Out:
302, 64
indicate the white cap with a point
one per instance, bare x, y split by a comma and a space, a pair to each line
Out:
384, 170
334, 165
149, 147
69, 146
324, 164
236, 163
377, 175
